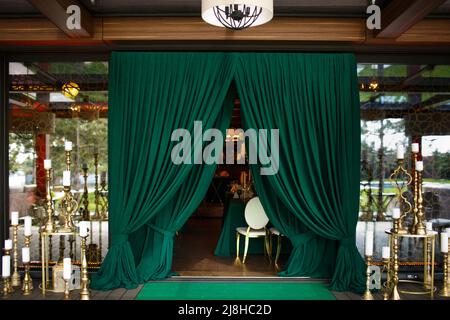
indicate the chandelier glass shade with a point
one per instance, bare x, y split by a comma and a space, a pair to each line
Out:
238, 14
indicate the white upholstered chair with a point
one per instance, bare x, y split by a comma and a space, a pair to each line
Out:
257, 220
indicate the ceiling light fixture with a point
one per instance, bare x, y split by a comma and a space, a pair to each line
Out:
237, 14
70, 89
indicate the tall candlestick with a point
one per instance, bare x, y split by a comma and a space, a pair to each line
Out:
14, 218
68, 146
444, 242
369, 243
419, 165
50, 224
84, 292
415, 148
66, 178
67, 268
6, 266
47, 164
27, 226
8, 244
15, 281
386, 252
400, 152
25, 255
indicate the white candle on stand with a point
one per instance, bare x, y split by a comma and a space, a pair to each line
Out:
369, 243
447, 230
8, 244
400, 151
14, 218
429, 226
84, 228
67, 270
25, 254
419, 166
386, 252
6, 266
47, 164
66, 178
444, 242
68, 146
27, 226
396, 213
415, 148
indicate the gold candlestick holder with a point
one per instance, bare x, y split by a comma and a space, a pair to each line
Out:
68, 206
66, 290
9, 288
97, 191
27, 287
368, 295
104, 200
85, 212
6, 285
50, 224
387, 284
402, 178
394, 294
445, 291
84, 293
420, 226
27, 281
15, 279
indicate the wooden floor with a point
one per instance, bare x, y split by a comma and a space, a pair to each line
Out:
194, 260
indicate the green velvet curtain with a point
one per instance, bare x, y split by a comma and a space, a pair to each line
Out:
150, 95
313, 100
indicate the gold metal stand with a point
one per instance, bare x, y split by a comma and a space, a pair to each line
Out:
445, 291
66, 290
84, 293
368, 295
387, 284
27, 279
27, 286
420, 226
6, 286
85, 212
399, 176
68, 206
15, 279
50, 224
97, 215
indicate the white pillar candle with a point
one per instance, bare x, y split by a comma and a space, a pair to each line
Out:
429, 226
444, 242
14, 218
84, 228
27, 226
415, 148
400, 152
369, 243
419, 166
386, 252
8, 244
25, 254
66, 178
47, 164
396, 213
68, 146
67, 270
447, 230
6, 266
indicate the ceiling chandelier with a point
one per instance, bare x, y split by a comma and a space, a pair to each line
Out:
237, 14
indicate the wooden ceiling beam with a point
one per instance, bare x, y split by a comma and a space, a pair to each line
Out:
400, 15
56, 12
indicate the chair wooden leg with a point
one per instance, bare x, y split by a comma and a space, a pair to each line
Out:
270, 244
246, 248
238, 242
267, 247
278, 251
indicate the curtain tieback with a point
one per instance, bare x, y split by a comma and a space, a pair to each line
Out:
348, 242
302, 238
118, 239
164, 232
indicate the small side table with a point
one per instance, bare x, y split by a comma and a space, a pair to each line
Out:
45, 255
429, 244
